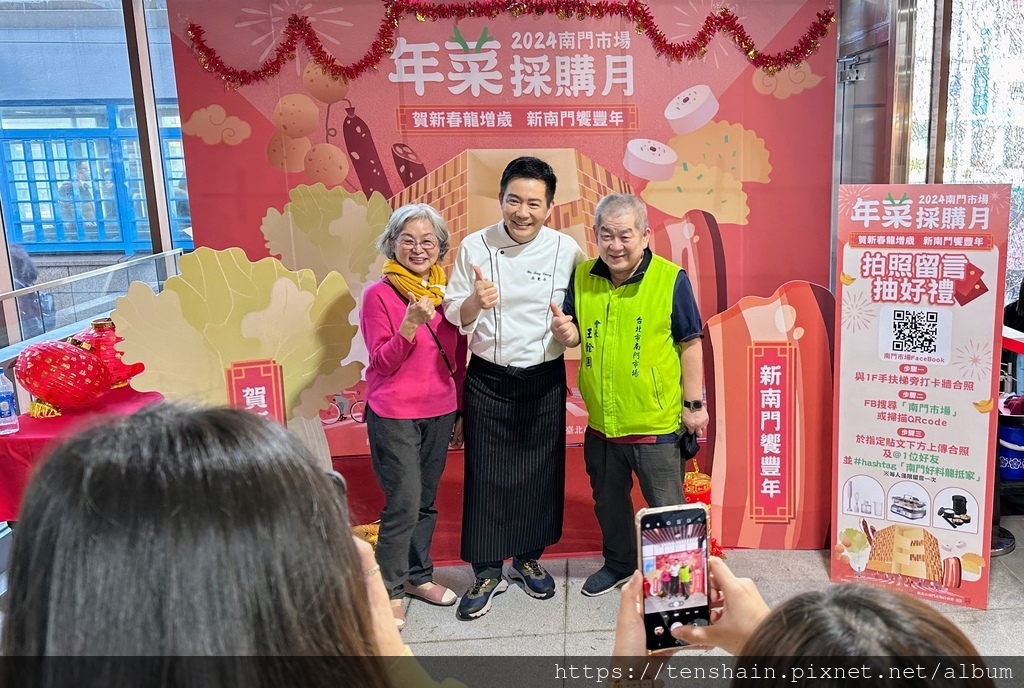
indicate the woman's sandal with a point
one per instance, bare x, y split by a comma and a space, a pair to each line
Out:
399, 612
432, 593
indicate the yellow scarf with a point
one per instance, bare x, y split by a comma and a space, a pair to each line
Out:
405, 282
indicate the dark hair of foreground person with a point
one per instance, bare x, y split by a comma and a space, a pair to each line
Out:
187, 532
900, 641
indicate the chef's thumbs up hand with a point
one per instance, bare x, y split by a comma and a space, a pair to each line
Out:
562, 327
484, 290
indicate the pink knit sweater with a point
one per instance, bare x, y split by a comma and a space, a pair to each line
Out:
409, 379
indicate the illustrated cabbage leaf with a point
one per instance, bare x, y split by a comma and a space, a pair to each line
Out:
326, 230
857, 539
222, 309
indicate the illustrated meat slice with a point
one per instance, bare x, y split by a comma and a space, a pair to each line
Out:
410, 168
951, 572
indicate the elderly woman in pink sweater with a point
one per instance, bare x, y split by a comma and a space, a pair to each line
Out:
413, 396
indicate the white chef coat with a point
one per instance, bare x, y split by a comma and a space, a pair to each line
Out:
529, 277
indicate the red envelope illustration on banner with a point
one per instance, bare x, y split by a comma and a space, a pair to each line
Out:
965, 287
974, 292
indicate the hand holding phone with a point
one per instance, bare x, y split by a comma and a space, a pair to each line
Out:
630, 638
673, 547
736, 609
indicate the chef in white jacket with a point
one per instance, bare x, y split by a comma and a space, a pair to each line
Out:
503, 283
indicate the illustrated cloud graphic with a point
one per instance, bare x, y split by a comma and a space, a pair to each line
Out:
213, 125
788, 82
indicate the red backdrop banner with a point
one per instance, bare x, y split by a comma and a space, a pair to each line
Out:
730, 151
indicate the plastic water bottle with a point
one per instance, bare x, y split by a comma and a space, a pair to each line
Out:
8, 408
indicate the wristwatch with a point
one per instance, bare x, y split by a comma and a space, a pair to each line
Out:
695, 405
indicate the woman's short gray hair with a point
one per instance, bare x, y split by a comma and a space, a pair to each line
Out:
614, 205
413, 211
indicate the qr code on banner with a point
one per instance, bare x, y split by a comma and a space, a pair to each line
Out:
915, 332
915, 335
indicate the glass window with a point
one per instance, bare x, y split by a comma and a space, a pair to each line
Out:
71, 186
921, 104
53, 117
985, 111
179, 207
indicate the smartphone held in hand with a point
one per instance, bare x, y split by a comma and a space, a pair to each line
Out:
673, 546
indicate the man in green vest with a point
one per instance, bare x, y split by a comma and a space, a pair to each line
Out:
684, 580
641, 375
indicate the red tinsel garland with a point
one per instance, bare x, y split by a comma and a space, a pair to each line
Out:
299, 30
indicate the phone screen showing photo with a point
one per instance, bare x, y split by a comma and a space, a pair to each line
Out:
674, 563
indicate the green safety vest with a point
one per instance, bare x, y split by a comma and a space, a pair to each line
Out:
630, 374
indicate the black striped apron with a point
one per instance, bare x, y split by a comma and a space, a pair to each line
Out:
514, 424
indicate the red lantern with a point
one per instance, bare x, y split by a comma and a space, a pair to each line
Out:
63, 376
102, 337
697, 486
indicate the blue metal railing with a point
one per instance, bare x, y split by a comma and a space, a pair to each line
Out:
80, 190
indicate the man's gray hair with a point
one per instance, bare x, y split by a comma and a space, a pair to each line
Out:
413, 211
614, 205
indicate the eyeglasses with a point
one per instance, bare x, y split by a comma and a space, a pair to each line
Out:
427, 244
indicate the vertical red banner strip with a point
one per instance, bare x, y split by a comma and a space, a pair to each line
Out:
772, 369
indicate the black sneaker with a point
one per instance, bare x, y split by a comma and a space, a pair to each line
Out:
535, 580
604, 580
477, 600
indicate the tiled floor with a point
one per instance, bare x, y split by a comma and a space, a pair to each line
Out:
570, 624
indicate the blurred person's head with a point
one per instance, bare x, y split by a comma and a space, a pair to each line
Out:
181, 531
23, 267
848, 625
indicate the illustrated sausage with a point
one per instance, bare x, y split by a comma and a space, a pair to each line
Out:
363, 153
